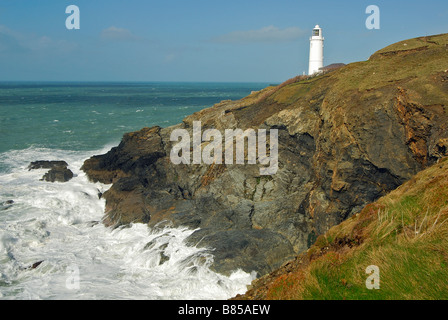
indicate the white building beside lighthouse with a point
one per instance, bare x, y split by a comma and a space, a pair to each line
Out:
316, 51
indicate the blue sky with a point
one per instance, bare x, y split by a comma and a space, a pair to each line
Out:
197, 40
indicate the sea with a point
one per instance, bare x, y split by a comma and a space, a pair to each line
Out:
53, 245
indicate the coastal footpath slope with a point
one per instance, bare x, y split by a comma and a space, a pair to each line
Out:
345, 139
404, 235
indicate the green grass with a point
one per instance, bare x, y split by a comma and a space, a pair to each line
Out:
405, 234
406, 273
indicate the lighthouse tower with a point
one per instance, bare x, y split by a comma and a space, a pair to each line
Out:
316, 51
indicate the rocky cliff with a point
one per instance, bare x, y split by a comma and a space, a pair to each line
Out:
345, 138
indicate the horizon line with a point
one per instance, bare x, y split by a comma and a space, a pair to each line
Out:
128, 81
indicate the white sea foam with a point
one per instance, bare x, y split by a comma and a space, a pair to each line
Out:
60, 225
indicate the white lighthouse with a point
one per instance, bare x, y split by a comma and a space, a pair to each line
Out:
316, 51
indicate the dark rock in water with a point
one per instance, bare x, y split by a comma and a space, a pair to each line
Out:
92, 223
6, 205
58, 174
33, 266
58, 170
44, 164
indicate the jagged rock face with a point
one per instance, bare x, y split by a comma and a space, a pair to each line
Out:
58, 170
58, 174
345, 139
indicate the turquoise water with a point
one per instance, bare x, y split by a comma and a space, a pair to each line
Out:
59, 224
86, 116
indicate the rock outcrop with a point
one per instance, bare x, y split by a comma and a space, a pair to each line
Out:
6, 205
58, 172
345, 138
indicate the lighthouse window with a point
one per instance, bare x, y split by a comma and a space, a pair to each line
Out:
316, 32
